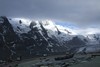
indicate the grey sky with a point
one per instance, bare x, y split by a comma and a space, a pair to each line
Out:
81, 12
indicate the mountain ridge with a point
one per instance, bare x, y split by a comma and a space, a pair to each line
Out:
20, 37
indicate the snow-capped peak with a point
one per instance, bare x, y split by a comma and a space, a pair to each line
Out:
22, 25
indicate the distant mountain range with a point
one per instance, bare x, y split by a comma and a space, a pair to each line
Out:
23, 37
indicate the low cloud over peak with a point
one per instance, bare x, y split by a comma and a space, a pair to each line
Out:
83, 13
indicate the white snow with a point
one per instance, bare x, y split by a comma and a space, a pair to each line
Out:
1, 20
51, 28
49, 25
92, 40
13, 45
89, 49
24, 26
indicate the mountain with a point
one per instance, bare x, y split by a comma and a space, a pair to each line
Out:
26, 38
92, 45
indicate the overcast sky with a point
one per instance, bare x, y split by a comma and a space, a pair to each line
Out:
84, 13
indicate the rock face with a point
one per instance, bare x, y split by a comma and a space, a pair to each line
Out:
8, 39
20, 38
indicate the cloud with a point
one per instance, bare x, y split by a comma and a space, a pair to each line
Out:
84, 13
87, 31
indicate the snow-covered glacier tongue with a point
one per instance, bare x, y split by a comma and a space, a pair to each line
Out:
92, 44
27, 38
